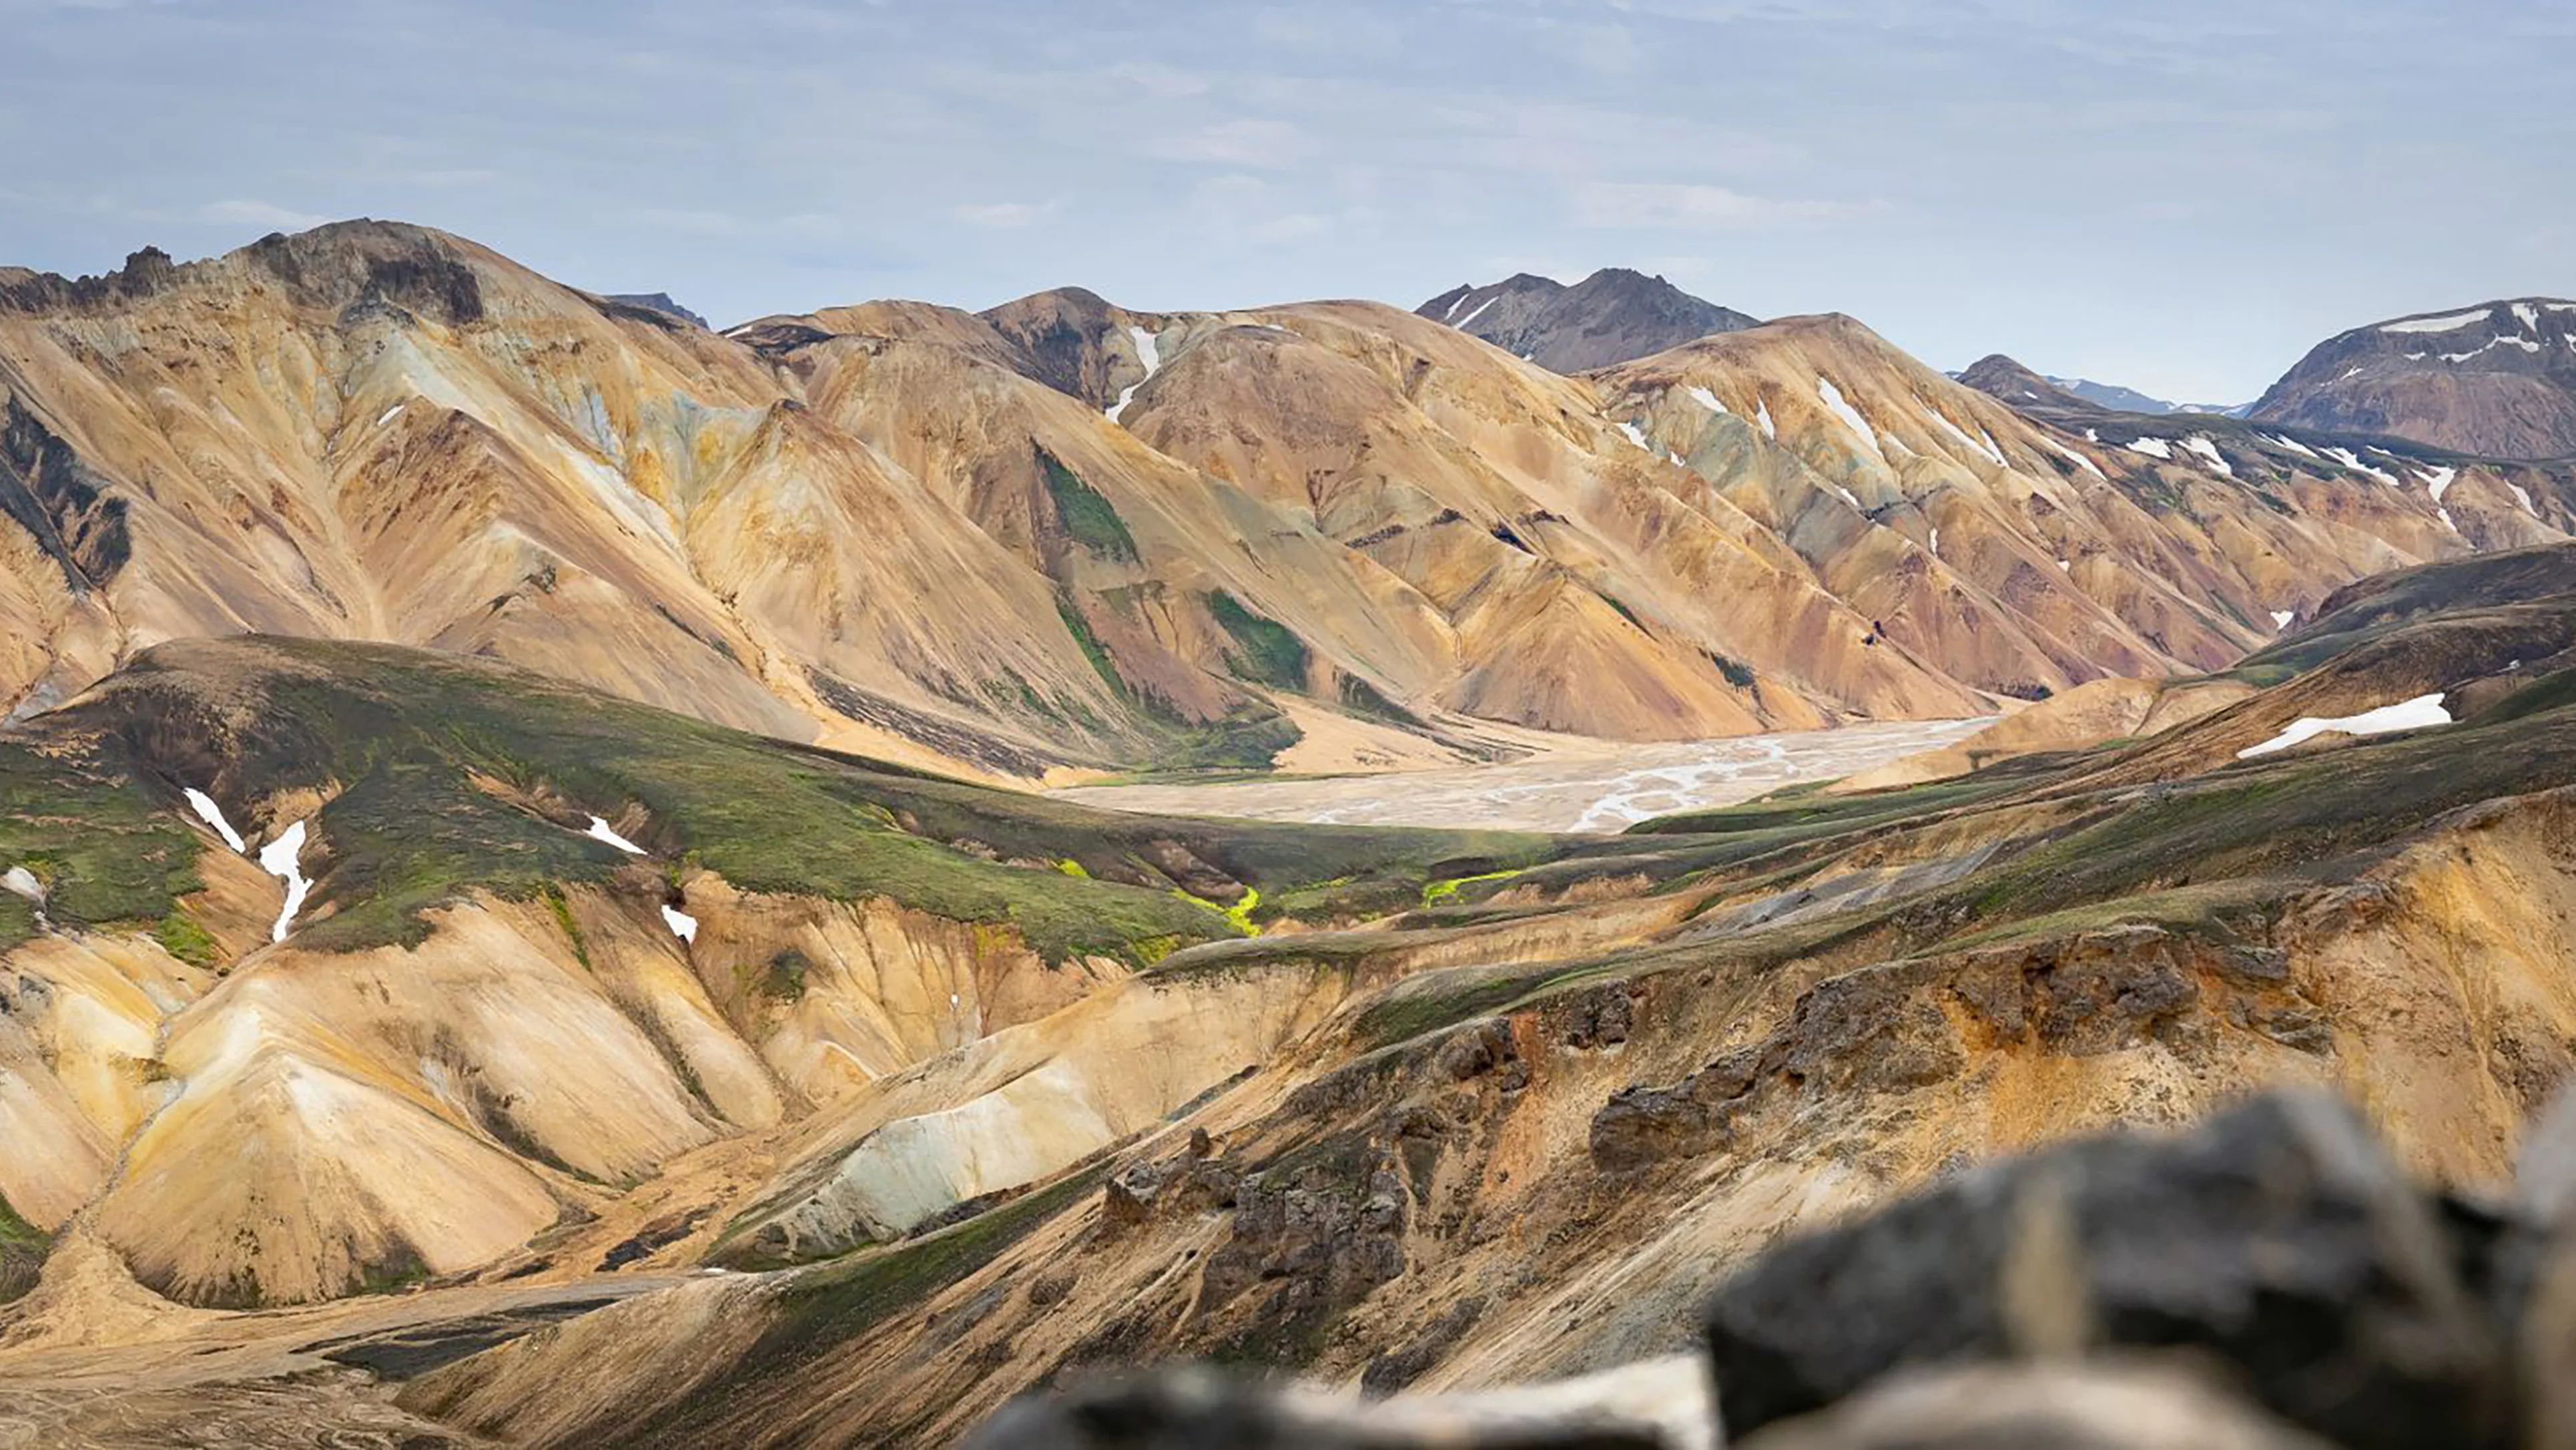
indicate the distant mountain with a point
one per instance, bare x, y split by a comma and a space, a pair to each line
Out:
2497, 380
2000, 377
659, 302
2011, 377
1611, 317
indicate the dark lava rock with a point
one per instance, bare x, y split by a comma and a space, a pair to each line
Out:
2276, 1239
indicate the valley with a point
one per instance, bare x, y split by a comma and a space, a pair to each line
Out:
1572, 786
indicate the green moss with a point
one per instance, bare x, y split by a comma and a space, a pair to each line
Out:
562, 910
1436, 892
786, 978
1089, 519
181, 936
396, 740
22, 1253
1266, 652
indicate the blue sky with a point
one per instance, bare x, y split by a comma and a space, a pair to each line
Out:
2181, 197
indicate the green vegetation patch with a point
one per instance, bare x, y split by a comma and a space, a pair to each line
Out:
1089, 519
432, 767
1266, 652
22, 1253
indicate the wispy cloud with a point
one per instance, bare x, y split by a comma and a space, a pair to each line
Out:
1006, 215
246, 212
1691, 206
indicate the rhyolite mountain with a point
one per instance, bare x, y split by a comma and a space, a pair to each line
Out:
965, 1091
1613, 316
1061, 535
2494, 381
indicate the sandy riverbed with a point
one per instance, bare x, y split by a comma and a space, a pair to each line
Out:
1590, 786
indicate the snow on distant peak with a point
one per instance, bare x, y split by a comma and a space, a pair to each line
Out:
1841, 408
213, 815
600, 830
2451, 323
1149, 352
1462, 324
2422, 712
2528, 315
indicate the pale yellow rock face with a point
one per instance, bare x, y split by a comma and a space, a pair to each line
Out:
2086, 715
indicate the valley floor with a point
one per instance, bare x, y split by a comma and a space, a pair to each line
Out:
1574, 785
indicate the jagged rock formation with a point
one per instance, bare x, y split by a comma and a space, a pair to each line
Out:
1613, 316
2497, 381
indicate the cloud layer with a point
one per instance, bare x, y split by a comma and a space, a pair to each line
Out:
2180, 197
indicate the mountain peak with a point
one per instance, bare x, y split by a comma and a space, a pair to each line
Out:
1615, 315
2497, 379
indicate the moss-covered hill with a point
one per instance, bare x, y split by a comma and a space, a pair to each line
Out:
441, 775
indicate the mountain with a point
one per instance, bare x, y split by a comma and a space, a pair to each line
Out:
1613, 316
2494, 381
1062, 536
1998, 376
658, 302
699, 1087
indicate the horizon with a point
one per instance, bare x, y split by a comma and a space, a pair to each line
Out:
2019, 176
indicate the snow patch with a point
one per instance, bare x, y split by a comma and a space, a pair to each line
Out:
2151, 447
2445, 516
1637, 436
2420, 713
213, 815
1849, 497
22, 882
2293, 444
2522, 496
2452, 323
2065, 565
1707, 399
1936, 541
1149, 351
600, 830
683, 925
1762, 418
2078, 459
2209, 451
1842, 408
2281, 619
2352, 460
1987, 448
278, 858
2439, 480
1469, 320
389, 415
2529, 315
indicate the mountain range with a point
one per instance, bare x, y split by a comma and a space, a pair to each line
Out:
520, 923
1060, 536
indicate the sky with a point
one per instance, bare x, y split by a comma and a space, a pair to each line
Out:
2181, 197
